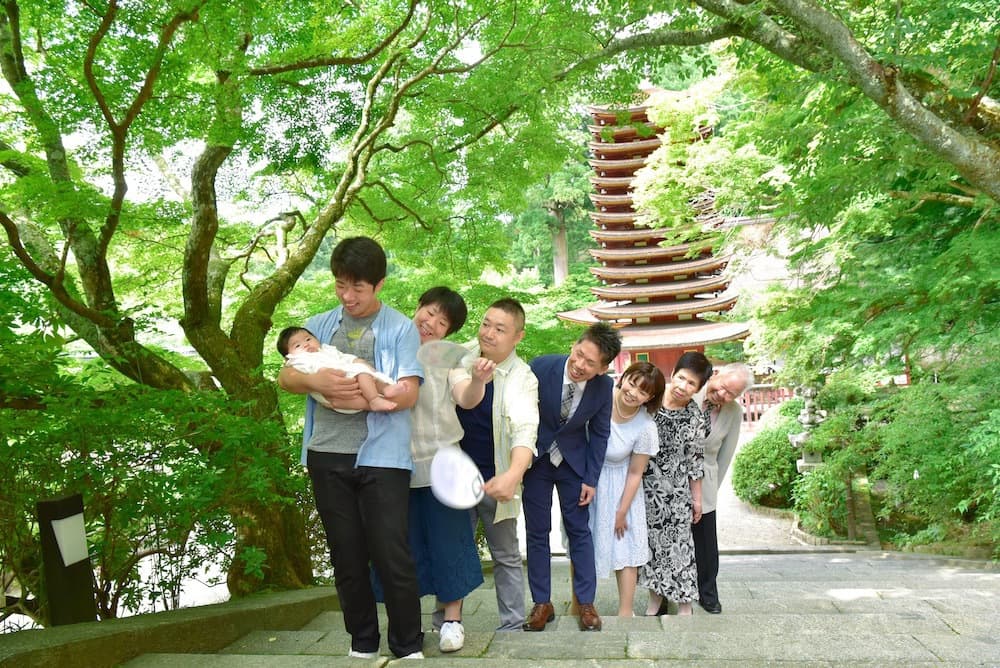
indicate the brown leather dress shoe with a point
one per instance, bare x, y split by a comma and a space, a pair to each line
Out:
541, 614
589, 619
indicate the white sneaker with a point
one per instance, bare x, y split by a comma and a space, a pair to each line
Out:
452, 637
413, 655
355, 654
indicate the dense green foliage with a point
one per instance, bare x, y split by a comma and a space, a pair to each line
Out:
175, 175
930, 453
552, 232
893, 266
153, 500
764, 470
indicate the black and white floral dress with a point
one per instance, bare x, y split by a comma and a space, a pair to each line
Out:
671, 570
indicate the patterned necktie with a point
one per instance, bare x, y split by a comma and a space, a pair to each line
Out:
567, 402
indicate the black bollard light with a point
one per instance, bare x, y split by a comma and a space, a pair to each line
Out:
69, 580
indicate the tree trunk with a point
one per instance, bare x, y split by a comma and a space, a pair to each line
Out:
272, 531
560, 250
278, 530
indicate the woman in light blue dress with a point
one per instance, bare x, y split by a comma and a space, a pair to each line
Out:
618, 513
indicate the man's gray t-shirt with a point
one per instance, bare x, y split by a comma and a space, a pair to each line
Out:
340, 432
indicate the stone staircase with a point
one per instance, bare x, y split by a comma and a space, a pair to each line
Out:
796, 608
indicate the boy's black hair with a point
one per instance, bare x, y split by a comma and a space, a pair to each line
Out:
450, 302
607, 339
358, 259
696, 363
286, 334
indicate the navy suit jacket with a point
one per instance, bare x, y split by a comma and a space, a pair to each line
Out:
583, 440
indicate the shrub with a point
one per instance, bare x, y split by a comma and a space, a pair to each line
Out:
792, 407
983, 445
765, 467
821, 499
821, 495
156, 504
843, 388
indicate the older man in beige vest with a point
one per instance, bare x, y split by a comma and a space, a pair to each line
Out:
718, 398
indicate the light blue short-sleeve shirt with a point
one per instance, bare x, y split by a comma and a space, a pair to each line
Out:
396, 344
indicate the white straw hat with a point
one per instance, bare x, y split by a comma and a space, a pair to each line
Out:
455, 478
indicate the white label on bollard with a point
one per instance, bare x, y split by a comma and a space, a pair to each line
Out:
72, 538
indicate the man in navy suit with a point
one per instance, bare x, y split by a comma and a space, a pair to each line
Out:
574, 411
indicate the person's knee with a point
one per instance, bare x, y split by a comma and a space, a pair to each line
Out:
538, 528
507, 555
579, 534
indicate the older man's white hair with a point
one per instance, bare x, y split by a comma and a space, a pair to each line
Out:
738, 369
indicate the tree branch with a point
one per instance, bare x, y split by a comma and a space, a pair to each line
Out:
88, 62
119, 130
759, 28
972, 157
944, 198
987, 82
53, 283
328, 61
14, 71
16, 167
398, 202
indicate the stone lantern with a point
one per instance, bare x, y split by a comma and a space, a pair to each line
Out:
809, 418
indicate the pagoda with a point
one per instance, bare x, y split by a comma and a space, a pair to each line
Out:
657, 295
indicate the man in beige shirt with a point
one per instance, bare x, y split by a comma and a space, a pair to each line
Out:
500, 434
719, 401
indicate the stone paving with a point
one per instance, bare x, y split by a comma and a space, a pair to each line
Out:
785, 604
812, 608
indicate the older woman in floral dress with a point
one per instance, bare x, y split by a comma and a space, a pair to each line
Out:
672, 485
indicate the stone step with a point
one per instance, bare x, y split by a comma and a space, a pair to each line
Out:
812, 609
856, 638
798, 646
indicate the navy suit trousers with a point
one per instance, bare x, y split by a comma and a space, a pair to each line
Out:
539, 482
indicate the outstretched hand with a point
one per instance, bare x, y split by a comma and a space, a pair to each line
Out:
482, 369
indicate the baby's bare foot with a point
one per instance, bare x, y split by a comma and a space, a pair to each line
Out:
395, 389
381, 404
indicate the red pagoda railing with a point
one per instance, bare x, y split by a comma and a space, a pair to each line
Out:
759, 398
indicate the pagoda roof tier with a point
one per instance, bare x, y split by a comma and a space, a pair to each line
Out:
602, 201
680, 334
612, 183
619, 167
633, 291
616, 218
659, 310
635, 235
605, 115
627, 149
623, 132
660, 271
636, 253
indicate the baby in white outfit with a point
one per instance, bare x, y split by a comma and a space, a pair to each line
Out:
303, 352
